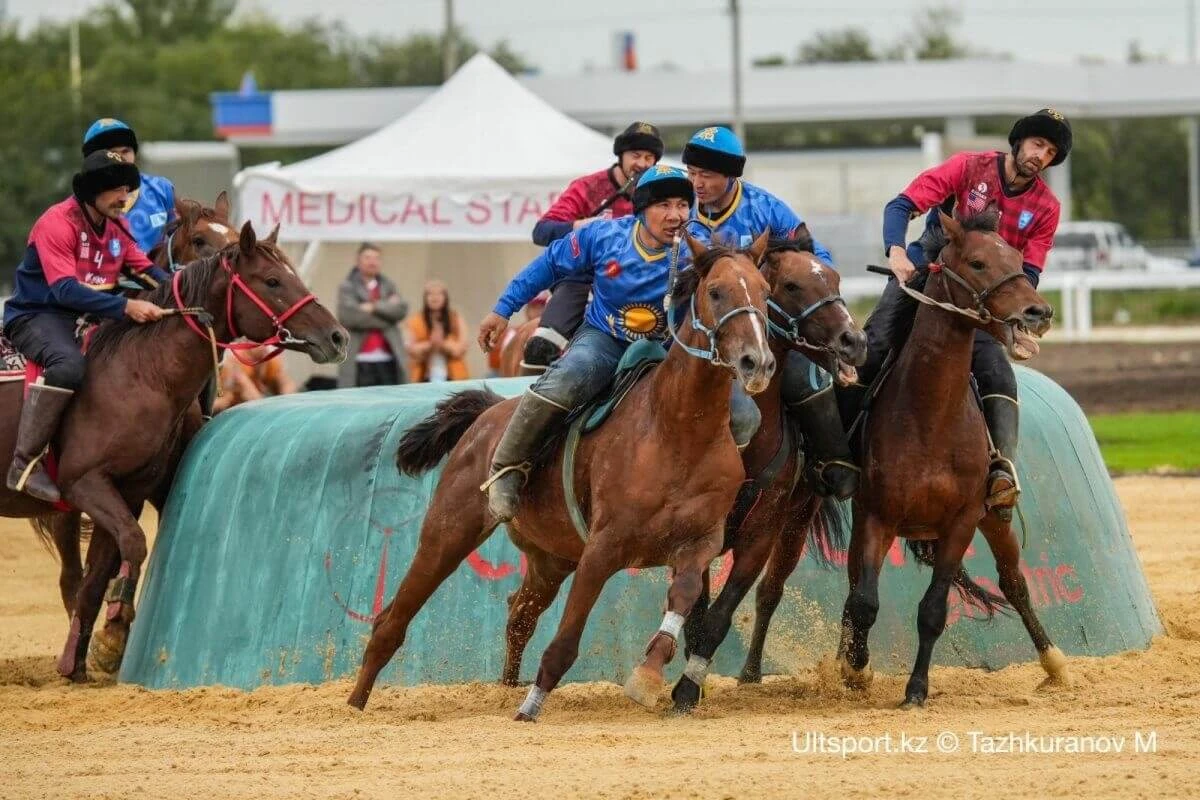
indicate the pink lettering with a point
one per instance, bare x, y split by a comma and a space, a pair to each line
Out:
375, 213
331, 206
413, 208
437, 218
1070, 595
479, 212
273, 216
529, 208
309, 204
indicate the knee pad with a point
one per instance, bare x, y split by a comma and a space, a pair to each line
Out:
540, 350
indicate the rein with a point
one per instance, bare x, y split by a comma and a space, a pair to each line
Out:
979, 313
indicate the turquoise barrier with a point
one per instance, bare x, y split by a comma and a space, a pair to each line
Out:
289, 527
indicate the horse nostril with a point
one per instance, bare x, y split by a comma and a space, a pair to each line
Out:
338, 338
1037, 313
747, 363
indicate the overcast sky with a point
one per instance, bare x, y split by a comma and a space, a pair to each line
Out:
563, 36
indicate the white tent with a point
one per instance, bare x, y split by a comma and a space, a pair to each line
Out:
479, 160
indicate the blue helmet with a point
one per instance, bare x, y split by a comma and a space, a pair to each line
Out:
659, 183
717, 149
108, 133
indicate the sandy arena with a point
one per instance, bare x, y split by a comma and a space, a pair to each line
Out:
108, 741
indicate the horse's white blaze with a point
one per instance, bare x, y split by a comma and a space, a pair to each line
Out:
218, 227
758, 331
817, 267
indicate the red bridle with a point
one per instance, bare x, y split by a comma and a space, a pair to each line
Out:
282, 335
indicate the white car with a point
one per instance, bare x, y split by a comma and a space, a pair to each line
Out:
1095, 245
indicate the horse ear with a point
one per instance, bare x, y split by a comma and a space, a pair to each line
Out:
759, 247
221, 206
697, 247
187, 211
950, 225
248, 240
274, 235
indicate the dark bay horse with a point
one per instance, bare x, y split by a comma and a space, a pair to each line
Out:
810, 316
195, 232
925, 458
121, 431
672, 430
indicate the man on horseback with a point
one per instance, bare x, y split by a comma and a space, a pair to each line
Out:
75, 253
1029, 214
601, 195
152, 204
629, 261
734, 213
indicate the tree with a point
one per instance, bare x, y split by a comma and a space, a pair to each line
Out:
848, 44
936, 34
417, 60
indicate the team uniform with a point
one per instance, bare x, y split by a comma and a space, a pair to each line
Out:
752, 211
152, 208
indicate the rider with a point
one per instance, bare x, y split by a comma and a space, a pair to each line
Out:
1029, 214
600, 195
735, 213
629, 259
152, 205
75, 252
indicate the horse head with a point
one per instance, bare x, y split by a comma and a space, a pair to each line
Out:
729, 306
808, 312
984, 275
266, 301
196, 232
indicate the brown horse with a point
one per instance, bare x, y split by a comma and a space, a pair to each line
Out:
195, 232
678, 415
512, 352
925, 458
812, 318
121, 431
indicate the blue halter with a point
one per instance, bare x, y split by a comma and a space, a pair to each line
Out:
791, 333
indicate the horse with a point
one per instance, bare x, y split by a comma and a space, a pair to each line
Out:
925, 453
814, 321
118, 436
196, 231
512, 351
672, 428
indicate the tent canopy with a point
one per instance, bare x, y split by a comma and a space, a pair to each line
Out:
479, 160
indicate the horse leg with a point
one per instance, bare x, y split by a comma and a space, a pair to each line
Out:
694, 626
108, 644
64, 530
748, 560
447, 537
595, 568
103, 558
780, 566
1007, 552
646, 681
868, 544
931, 612
544, 575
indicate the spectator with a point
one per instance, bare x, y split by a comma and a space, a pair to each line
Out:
436, 341
371, 308
241, 383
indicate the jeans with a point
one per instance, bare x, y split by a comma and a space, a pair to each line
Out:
583, 371
48, 340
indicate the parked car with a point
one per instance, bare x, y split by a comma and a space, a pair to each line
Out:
1095, 246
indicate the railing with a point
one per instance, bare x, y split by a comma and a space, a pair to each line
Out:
1073, 318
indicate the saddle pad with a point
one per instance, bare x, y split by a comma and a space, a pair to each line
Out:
12, 363
637, 361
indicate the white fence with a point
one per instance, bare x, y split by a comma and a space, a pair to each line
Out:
1073, 319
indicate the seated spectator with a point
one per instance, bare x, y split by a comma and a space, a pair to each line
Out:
241, 383
436, 341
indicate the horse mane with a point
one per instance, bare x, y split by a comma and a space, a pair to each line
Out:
688, 279
803, 243
934, 240
195, 279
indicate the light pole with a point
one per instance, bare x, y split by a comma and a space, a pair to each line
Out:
449, 49
738, 125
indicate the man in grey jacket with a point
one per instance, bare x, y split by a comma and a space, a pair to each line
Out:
370, 308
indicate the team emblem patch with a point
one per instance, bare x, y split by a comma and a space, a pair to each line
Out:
612, 269
1024, 219
977, 198
574, 245
707, 135
114, 247
640, 321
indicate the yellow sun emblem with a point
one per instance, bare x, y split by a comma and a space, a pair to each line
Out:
640, 321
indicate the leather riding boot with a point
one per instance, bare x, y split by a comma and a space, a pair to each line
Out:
828, 466
1002, 415
543, 347
510, 463
40, 414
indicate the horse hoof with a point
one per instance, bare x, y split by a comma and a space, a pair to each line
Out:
107, 651
686, 696
79, 676
521, 716
1055, 665
912, 703
857, 679
749, 677
644, 687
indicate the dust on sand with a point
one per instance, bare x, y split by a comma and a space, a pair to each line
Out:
106, 740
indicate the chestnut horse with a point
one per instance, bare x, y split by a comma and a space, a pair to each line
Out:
925, 452
195, 232
672, 428
119, 434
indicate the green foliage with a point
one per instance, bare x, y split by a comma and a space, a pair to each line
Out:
1141, 442
848, 44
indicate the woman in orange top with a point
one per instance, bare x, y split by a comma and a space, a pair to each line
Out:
436, 341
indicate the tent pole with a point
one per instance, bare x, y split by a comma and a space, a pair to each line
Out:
309, 259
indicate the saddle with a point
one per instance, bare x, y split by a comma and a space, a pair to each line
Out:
12, 363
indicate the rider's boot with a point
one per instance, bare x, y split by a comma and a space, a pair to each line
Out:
40, 414
828, 468
543, 347
511, 461
1002, 415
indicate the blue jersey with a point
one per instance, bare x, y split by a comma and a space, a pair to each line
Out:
152, 208
629, 281
753, 211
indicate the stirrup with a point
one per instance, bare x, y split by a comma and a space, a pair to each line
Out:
1002, 502
522, 468
30, 468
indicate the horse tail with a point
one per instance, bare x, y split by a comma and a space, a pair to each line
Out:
43, 528
828, 531
972, 593
427, 442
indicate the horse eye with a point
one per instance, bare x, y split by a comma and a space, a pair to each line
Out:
978, 265
199, 241
791, 286
272, 283
714, 293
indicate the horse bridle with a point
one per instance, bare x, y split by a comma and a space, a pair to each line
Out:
280, 339
791, 333
979, 298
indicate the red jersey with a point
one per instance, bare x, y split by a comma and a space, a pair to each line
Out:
969, 181
584, 195
65, 257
